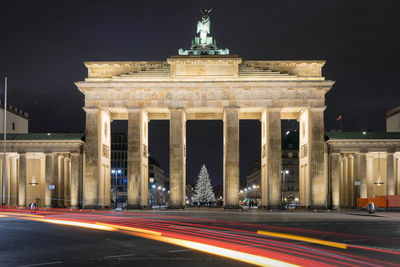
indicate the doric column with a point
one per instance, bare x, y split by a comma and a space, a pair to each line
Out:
92, 158
43, 180
22, 181
67, 182
274, 157
54, 180
231, 158
345, 181
75, 173
137, 159
304, 158
362, 174
335, 174
97, 160
177, 163
390, 175
48, 180
370, 168
264, 162
13, 180
319, 183
8, 180
351, 181
60, 182
104, 156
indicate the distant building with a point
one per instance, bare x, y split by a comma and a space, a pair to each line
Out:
119, 170
17, 120
157, 174
119, 167
393, 120
289, 173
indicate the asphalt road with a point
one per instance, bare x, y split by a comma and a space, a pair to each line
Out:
31, 243
372, 239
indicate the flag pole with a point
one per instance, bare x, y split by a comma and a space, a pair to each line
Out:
4, 143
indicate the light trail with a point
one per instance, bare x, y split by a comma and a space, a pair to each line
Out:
227, 253
228, 241
145, 221
232, 241
79, 224
133, 229
303, 238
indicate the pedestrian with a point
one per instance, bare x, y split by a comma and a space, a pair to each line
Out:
33, 207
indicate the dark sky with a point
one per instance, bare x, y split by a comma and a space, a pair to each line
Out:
43, 45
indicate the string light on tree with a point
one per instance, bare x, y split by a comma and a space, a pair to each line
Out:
203, 189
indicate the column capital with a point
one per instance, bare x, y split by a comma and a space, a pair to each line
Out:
272, 109
177, 109
35, 155
231, 108
134, 109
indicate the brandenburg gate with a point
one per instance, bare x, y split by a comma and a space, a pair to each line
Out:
204, 83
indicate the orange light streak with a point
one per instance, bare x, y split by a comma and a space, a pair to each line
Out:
303, 238
22, 214
133, 229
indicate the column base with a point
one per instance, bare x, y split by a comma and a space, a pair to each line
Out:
176, 207
232, 207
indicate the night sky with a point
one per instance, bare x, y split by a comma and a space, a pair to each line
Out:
43, 45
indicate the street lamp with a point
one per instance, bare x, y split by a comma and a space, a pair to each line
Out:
284, 172
116, 172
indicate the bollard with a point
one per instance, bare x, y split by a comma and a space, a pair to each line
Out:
371, 207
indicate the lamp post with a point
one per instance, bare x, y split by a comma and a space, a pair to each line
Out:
284, 172
116, 172
159, 196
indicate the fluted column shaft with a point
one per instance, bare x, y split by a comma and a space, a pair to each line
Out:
137, 159
231, 158
177, 137
274, 158
22, 181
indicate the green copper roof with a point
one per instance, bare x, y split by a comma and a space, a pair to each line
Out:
45, 136
362, 135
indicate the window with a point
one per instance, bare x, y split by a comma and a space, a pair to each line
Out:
13, 125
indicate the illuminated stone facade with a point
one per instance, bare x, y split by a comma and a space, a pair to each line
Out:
205, 87
363, 165
44, 168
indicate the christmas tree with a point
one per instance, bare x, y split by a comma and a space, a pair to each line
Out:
203, 189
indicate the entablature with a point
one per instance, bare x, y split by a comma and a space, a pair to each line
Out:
45, 146
364, 146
